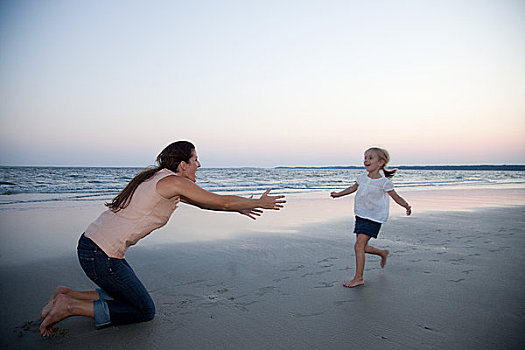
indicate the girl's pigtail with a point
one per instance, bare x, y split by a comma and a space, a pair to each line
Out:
389, 173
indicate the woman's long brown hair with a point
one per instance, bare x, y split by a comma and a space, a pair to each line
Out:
169, 158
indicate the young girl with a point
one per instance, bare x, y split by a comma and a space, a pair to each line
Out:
371, 208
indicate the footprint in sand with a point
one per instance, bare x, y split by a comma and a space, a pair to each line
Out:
457, 281
326, 284
265, 290
34, 327
277, 280
309, 315
29, 326
243, 306
328, 265
293, 269
342, 302
190, 283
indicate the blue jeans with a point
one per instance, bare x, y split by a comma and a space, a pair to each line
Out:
123, 298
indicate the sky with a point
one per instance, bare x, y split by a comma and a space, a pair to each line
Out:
262, 83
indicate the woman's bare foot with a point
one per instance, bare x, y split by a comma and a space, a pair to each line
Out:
58, 312
383, 257
354, 283
51, 302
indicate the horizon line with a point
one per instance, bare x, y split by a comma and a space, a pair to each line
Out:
521, 166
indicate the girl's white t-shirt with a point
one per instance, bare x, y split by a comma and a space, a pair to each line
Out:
371, 199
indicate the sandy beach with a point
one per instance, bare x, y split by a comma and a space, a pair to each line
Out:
454, 279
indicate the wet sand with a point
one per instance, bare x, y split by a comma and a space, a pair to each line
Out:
454, 278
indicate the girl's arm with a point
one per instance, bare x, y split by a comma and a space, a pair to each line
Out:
399, 200
191, 193
344, 192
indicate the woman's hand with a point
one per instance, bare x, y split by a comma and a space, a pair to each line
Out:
267, 202
251, 213
334, 194
271, 202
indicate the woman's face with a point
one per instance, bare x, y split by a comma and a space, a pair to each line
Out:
189, 169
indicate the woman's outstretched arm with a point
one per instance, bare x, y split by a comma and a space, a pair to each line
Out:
172, 186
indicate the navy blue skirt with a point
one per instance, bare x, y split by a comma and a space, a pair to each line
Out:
367, 227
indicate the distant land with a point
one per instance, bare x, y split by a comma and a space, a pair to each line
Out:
422, 167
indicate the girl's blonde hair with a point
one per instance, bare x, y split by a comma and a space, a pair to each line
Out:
385, 157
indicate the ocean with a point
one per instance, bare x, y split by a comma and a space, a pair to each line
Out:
42, 184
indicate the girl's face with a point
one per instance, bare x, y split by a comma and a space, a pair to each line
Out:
372, 162
189, 169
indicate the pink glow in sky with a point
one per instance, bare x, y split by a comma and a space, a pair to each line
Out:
262, 83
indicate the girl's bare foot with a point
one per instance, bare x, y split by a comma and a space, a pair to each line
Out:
383, 257
51, 302
354, 283
58, 312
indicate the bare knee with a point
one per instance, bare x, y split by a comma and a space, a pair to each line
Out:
359, 246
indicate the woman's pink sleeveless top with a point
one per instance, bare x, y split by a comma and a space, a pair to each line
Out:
114, 232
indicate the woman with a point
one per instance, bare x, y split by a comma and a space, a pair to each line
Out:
144, 205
